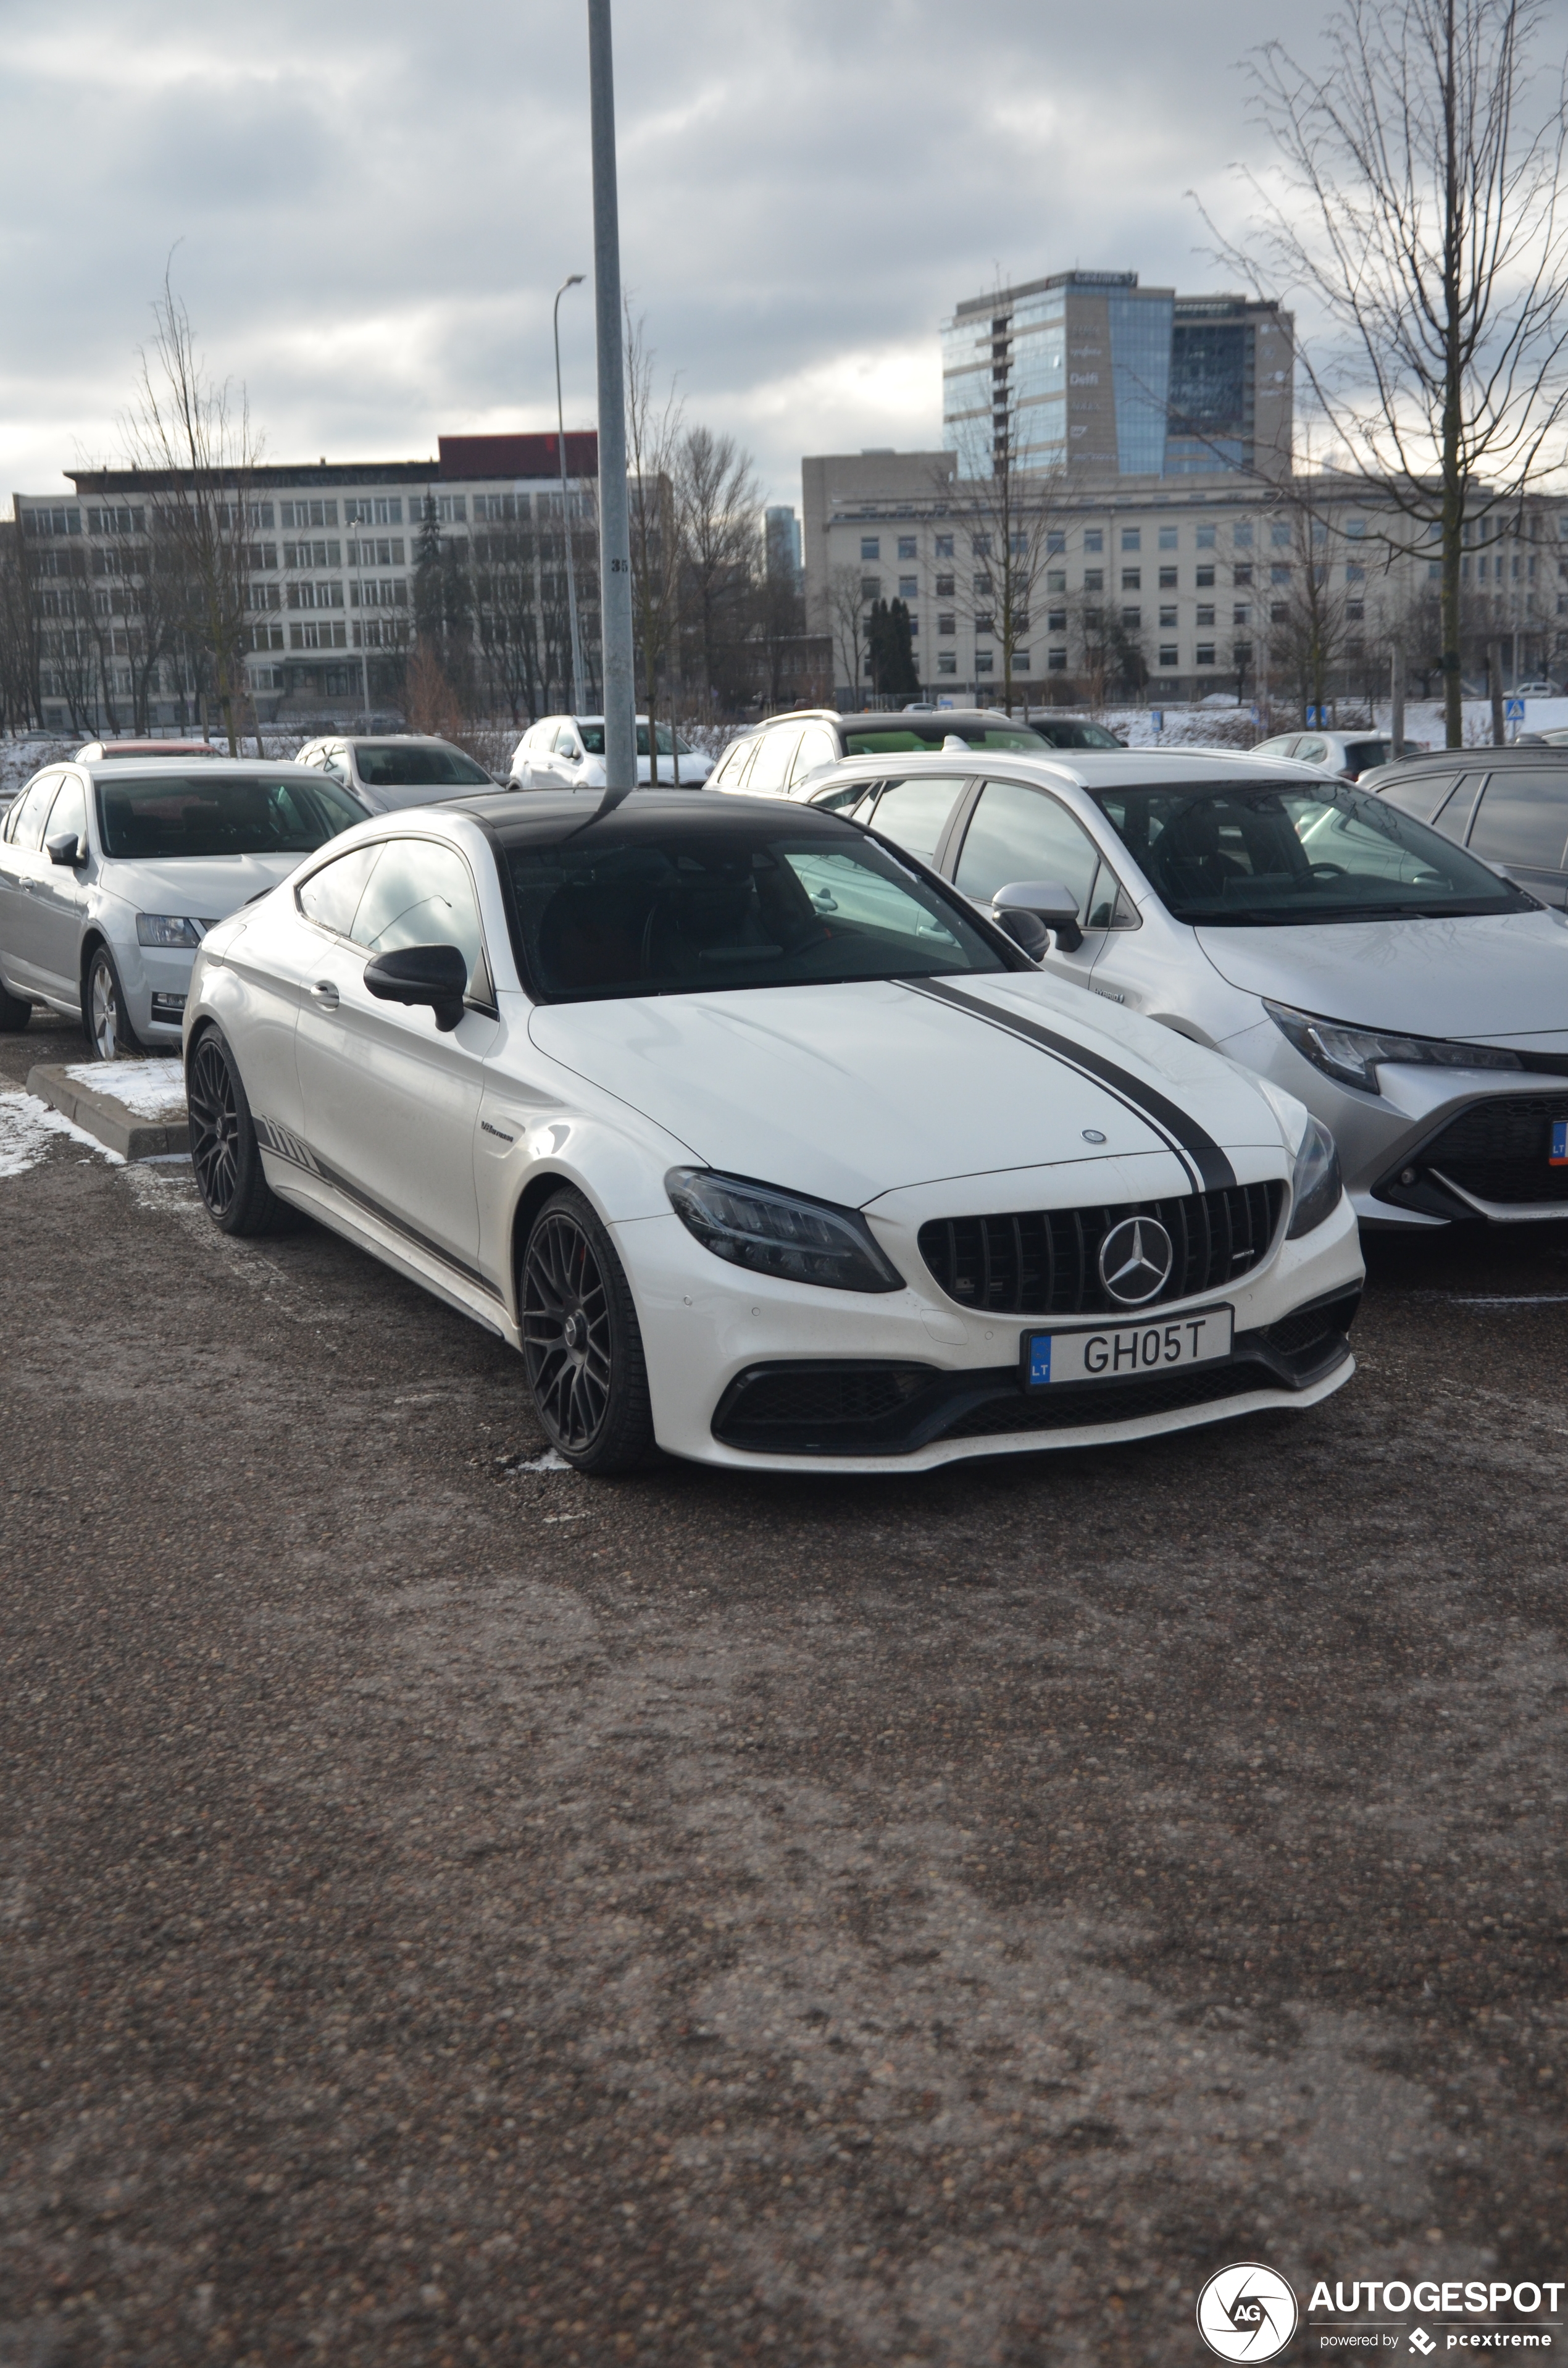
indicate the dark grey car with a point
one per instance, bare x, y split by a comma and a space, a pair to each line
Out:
1507, 805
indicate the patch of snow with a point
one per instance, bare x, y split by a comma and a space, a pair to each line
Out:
26, 1125
151, 1088
548, 1462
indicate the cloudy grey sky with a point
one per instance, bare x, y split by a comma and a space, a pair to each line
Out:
375, 200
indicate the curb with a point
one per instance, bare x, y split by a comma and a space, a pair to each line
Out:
108, 1121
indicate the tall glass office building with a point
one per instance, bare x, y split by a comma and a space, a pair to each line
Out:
1089, 373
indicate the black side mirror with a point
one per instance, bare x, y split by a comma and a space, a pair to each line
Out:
66, 847
433, 974
1046, 904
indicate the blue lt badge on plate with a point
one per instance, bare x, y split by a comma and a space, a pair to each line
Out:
1040, 1342
1559, 1143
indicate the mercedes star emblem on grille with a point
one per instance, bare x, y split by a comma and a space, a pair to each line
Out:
1136, 1257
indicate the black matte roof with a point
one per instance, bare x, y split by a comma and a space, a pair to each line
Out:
540, 818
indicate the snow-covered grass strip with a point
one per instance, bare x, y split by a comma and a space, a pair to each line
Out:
151, 1088
26, 1125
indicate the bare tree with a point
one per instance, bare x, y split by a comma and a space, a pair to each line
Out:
20, 688
652, 438
716, 491
1011, 511
1422, 217
1306, 627
847, 622
192, 435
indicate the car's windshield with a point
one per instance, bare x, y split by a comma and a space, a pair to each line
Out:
1071, 734
592, 736
665, 744
904, 739
397, 765
641, 905
196, 815
1250, 856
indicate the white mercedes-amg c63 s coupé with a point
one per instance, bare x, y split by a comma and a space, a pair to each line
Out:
759, 1142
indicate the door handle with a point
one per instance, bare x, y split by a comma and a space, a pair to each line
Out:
325, 993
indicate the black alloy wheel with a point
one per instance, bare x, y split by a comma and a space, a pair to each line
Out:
582, 1344
224, 1152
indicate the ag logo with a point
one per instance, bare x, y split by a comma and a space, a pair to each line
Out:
1246, 2312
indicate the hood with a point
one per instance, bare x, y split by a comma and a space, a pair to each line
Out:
850, 1091
1492, 975
210, 887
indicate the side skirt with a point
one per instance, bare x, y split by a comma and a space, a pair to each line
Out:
357, 1224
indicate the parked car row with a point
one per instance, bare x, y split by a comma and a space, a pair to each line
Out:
961, 1095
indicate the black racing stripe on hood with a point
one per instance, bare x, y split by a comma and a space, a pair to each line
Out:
1183, 1132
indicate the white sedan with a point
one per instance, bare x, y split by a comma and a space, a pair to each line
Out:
567, 751
758, 1143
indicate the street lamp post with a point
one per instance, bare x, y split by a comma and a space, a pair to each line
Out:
615, 532
575, 281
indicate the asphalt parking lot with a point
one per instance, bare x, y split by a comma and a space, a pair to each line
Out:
451, 1911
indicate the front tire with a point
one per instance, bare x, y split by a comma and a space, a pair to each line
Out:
224, 1152
581, 1343
104, 1020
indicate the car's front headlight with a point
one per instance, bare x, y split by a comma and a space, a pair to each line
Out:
778, 1232
167, 929
1351, 1055
1317, 1183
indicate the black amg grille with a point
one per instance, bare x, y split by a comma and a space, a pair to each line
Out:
1499, 1149
1045, 1261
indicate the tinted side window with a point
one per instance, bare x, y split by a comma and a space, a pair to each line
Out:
330, 897
1523, 818
24, 821
841, 797
915, 813
69, 811
770, 768
1022, 834
420, 894
1425, 797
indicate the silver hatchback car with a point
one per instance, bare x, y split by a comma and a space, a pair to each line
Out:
112, 872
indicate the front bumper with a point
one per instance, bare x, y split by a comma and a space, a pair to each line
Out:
714, 1334
1405, 1150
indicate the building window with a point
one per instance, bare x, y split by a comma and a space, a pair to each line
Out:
500, 509
1241, 534
945, 586
1354, 575
947, 662
1056, 621
1056, 542
1279, 614
1242, 653
1205, 576
870, 587
871, 546
305, 514
1167, 537
1169, 654
1021, 661
1094, 579
1279, 535
1241, 614
1167, 617
312, 554
980, 544
986, 622
1057, 661
982, 584
318, 637
452, 508
983, 662
1355, 529
1241, 574
914, 625
315, 596
1205, 652
1131, 538
366, 510
1354, 612
266, 596
379, 550
944, 546
1094, 539
1133, 579
1056, 580
946, 623
1094, 620
906, 547
1131, 618
1206, 537
1206, 616
909, 587
1279, 575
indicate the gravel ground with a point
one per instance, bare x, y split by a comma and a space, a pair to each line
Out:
453, 1911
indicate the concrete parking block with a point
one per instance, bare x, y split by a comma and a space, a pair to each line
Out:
99, 1113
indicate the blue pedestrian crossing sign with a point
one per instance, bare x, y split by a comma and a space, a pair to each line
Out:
1513, 711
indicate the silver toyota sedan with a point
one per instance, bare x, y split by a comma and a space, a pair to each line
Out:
112, 872
1415, 1000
